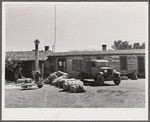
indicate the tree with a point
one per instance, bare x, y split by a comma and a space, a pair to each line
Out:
138, 46
120, 45
124, 45
143, 45
12, 69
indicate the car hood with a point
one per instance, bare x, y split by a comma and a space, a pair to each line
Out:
105, 68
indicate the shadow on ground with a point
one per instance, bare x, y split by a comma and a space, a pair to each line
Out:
71, 92
92, 84
28, 89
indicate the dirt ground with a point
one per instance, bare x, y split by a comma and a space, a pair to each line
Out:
129, 94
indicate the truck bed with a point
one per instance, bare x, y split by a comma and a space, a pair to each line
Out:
81, 65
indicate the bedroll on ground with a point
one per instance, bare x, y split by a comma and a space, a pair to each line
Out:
74, 86
77, 87
67, 83
60, 73
54, 76
59, 81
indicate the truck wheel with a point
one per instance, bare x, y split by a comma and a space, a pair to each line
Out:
100, 79
117, 82
40, 85
81, 77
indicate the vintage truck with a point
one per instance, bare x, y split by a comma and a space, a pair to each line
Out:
98, 70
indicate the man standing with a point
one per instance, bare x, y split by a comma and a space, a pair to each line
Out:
36, 75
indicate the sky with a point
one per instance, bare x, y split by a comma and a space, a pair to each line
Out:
79, 26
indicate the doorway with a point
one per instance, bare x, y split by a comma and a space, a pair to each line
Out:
62, 65
141, 66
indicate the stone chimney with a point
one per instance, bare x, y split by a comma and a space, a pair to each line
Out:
46, 48
104, 47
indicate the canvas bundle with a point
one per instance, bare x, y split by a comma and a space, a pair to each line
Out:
46, 81
54, 82
61, 80
51, 77
77, 87
60, 73
67, 83
73, 85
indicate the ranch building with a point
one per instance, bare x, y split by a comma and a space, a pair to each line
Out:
124, 61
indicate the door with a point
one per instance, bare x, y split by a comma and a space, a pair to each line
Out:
62, 65
94, 69
141, 66
27, 69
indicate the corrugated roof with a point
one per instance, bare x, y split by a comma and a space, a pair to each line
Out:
108, 52
27, 55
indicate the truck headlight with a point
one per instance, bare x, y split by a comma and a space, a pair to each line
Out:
114, 70
105, 71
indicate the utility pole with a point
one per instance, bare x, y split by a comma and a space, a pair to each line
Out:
55, 31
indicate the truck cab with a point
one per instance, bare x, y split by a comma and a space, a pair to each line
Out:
97, 65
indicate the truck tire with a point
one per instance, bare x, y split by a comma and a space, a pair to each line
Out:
100, 79
80, 76
117, 82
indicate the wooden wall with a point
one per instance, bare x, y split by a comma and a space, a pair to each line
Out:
114, 63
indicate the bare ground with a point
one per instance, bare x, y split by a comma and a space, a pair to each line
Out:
129, 94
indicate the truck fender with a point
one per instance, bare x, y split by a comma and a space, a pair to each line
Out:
117, 73
100, 73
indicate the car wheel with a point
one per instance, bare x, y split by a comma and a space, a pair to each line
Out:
100, 79
117, 82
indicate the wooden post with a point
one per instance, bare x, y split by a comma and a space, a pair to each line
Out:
42, 74
37, 55
56, 65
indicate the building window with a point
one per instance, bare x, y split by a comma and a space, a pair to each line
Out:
100, 57
123, 62
93, 64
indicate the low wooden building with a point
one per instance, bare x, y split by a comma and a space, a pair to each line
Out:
28, 60
124, 61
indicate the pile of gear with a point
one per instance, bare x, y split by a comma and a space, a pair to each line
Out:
60, 79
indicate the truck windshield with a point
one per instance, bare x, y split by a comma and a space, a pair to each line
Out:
102, 64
